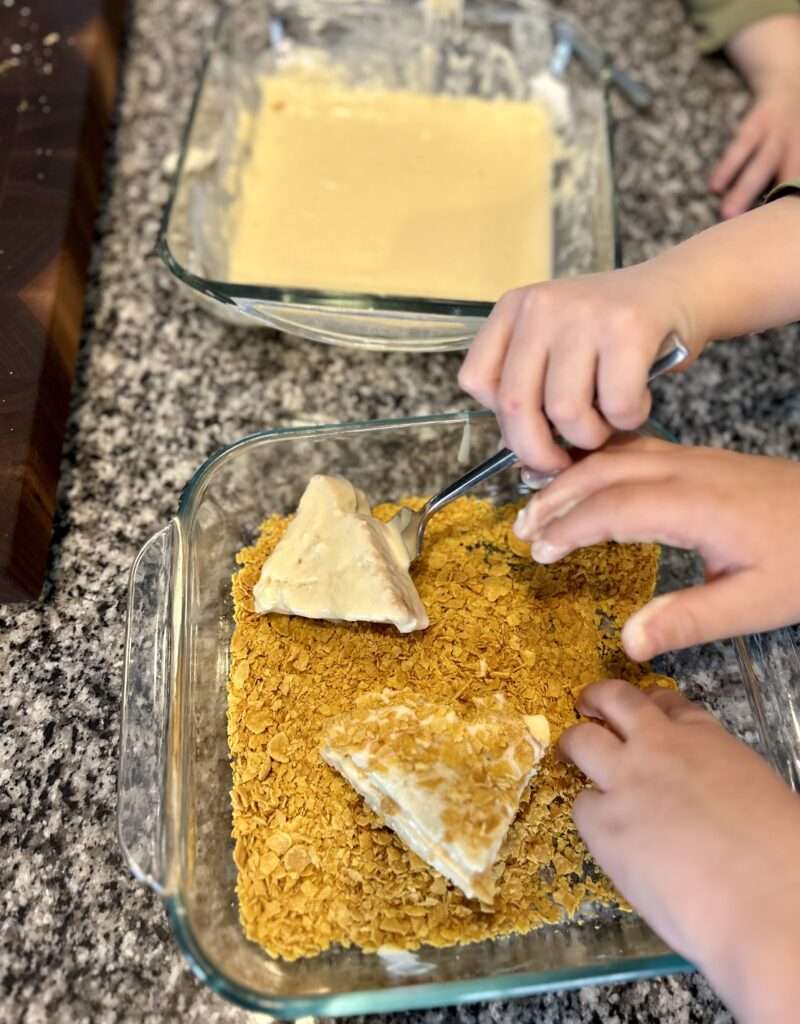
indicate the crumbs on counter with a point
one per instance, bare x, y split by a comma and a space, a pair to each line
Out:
315, 866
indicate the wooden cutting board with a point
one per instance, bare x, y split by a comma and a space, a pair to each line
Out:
58, 75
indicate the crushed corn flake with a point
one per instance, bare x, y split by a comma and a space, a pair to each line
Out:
315, 866
447, 781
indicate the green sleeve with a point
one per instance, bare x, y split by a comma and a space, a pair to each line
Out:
718, 20
786, 188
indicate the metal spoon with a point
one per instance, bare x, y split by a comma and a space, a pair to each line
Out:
412, 523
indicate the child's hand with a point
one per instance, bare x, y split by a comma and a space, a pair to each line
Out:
699, 834
767, 144
574, 355
766, 148
739, 512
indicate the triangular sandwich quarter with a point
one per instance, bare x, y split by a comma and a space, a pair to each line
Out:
337, 561
448, 782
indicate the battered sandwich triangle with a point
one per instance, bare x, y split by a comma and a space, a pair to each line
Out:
447, 780
336, 561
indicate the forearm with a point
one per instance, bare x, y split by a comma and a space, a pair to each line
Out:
739, 276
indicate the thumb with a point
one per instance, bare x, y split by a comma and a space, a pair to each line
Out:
711, 611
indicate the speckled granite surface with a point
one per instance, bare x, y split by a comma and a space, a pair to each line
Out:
160, 386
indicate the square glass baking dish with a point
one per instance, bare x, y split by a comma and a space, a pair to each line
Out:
514, 50
174, 810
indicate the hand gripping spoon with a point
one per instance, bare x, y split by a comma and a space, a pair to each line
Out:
412, 523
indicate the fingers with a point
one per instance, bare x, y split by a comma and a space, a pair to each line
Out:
570, 358
674, 705
597, 750
569, 396
587, 810
482, 368
505, 371
645, 510
623, 396
520, 411
622, 706
592, 748
736, 155
753, 180
631, 496
716, 610
624, 459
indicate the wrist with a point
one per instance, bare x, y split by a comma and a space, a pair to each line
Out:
757, 975
770, 79
672, 275
736, 277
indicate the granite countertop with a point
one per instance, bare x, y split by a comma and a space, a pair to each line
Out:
160, 386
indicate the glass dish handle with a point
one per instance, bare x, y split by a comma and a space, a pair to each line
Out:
147, 687
770, 666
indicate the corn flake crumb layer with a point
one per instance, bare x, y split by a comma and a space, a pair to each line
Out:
315, 865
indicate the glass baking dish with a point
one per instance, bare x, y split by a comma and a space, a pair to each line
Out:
520, 51
174, 777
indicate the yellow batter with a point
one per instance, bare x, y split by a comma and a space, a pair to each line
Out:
393, 193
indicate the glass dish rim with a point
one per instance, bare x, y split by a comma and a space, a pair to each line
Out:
401, 997
362, 303
187, 497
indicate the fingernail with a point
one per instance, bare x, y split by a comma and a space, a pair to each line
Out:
635, 638
535, 516
539, 515
535, 480
543, 552
525, 524
520, 523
